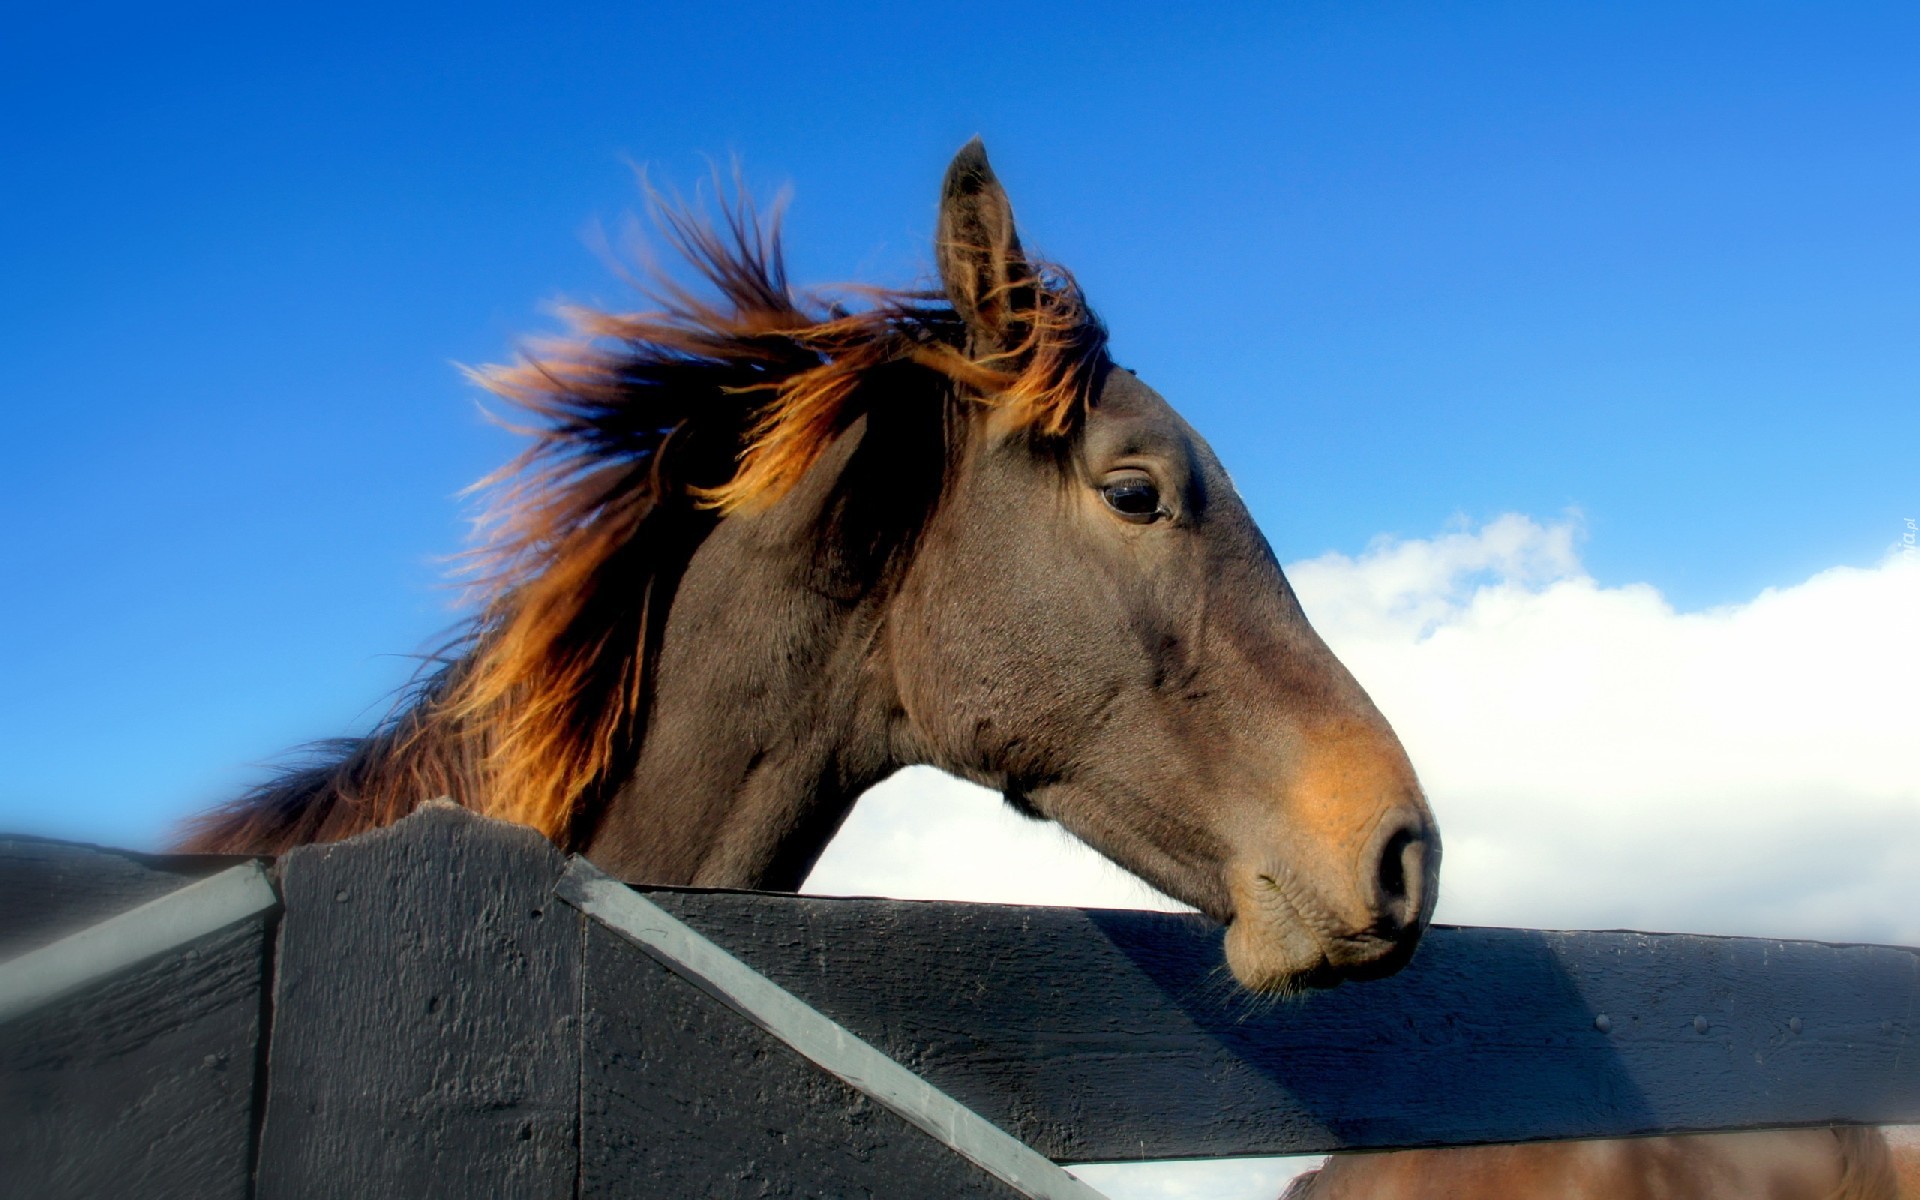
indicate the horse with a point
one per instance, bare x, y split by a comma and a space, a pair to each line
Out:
764, 547
1841, 1163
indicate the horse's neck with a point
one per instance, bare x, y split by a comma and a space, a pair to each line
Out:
771, 711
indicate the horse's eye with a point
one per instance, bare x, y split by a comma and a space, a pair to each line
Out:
1133, 497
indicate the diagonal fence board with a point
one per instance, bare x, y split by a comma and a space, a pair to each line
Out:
1107, 1035
129, 1049
990, 1163
682, 1096
36, 978
49, 889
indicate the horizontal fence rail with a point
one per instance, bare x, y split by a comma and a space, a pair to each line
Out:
451, 1007
1099, 1034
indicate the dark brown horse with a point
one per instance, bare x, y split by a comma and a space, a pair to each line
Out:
762, 552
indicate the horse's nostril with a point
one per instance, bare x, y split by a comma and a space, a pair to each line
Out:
1393, 868
1401, 874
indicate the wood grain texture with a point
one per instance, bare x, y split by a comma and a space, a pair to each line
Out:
141, 1085
49, 889
426, 1032
684, 1097
1105, 1035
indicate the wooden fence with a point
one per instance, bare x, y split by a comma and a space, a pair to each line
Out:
452, 1008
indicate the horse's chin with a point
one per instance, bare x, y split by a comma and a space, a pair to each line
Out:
1282, 961
1279, 945
1289, 961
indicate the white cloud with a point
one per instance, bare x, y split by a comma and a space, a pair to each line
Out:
1596, 759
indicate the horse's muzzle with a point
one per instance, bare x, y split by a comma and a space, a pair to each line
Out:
1294, 927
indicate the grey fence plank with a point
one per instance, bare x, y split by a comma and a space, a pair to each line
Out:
426, 1025
1103, 1035
141, 1084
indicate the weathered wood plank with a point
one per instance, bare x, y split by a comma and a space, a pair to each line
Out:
426, 1028
684, 1097
142, 1084
1101, 1035
49, 889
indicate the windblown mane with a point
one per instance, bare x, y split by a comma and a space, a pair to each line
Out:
644, 430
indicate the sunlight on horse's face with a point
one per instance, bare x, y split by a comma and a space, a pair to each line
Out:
1110, 641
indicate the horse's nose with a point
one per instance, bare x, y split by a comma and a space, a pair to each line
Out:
1405, 853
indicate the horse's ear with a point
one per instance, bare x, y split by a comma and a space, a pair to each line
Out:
987, 278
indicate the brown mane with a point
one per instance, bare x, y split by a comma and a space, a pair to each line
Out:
646, 428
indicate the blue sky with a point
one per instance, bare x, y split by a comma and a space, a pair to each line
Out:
1401, 263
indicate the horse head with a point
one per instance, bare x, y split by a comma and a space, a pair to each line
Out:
1094, 625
